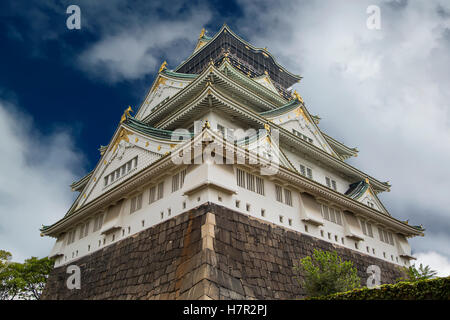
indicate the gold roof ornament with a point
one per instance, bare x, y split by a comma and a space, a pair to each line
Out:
163, 66
206, 124
297, 96
202, 33
267, 127
126, 114
123, 135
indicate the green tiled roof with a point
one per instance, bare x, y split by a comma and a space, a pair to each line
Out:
179, 74
357, 189
159, 133
291, 105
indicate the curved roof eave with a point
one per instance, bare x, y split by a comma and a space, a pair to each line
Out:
262, 50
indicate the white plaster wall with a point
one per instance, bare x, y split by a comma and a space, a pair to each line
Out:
151, 215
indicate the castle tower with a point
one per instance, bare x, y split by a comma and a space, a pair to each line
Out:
216, 186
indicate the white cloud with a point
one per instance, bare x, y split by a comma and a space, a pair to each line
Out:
385, 92
132, 51
436, 261
35, 174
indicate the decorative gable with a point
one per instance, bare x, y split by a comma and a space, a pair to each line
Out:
266, 82
129, 152
363, 192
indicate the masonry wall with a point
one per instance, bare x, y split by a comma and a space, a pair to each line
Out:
209, 252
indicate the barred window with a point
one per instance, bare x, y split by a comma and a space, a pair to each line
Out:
98, 222
260, 185
369, 230
120, 172
331, 214
152, 195
240, 178
133, 205
139, 201
175, 182
71, 236
288, 197
309, 173
302, 170
325, 213
160, 190
338, 217
250, 181
380, 232
182, 176
178, 180
391, 238
363, 227
84, 229
136, 203
279, 193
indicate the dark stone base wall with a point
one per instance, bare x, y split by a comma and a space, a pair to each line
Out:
209, 252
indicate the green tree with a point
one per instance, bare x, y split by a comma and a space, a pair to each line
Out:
325, 273
23, 280
35, 273
412, 273
10, 283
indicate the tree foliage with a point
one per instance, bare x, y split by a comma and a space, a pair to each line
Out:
325, 273
428, 289
412, 273
23, 280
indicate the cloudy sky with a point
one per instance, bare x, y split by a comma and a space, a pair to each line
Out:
385, 91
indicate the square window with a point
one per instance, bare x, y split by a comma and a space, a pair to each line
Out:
290, 222
321, 233
263, 213
247, 207
309, 173
238, 203
333, 184
281, 219
306, 228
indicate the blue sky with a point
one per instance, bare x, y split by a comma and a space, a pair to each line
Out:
385, 91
